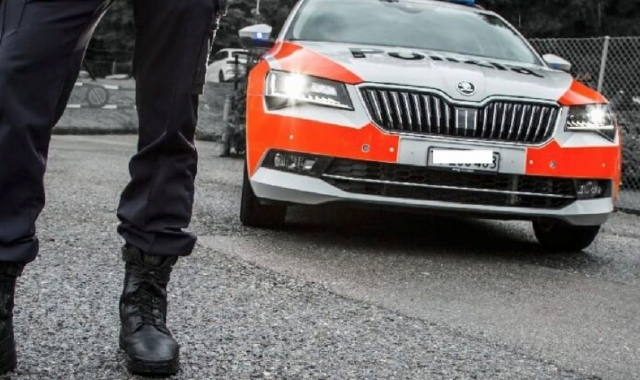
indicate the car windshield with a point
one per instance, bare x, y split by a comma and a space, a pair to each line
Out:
409, 23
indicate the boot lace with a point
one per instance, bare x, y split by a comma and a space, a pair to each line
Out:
148, 297
6, 303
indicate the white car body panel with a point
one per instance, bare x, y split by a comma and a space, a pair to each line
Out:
444, 76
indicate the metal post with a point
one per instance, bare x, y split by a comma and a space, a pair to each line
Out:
236, 72
226, 134
603, 63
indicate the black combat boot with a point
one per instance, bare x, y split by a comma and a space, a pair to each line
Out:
9, 272
149, 346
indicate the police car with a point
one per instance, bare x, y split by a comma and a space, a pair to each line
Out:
429, 105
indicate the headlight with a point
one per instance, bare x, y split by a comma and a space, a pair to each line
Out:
594, 118
285, 89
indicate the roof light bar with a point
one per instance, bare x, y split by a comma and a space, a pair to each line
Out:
471, 3
465, 2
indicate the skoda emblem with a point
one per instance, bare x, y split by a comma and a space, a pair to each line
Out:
466, 88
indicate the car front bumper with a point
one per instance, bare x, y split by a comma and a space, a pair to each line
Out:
295, 189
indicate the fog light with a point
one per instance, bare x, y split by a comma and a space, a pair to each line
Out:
589, 189
293, 162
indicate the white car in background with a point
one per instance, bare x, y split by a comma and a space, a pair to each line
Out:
222, 65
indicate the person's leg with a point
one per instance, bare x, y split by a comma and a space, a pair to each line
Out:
173, 42
41, 48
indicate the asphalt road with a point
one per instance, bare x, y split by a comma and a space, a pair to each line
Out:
341, 295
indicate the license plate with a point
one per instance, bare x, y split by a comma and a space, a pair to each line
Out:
467, 161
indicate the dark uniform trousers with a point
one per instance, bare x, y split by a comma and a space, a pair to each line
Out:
42, 44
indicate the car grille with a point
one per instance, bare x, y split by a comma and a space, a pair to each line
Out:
411, 111
414, 182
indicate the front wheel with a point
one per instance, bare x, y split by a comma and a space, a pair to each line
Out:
561, 236
254, 214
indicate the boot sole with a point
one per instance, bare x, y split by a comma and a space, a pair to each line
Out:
9, 360
159, 369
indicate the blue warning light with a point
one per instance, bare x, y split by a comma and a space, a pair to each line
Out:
465, 2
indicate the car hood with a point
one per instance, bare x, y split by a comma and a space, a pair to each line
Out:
441, 71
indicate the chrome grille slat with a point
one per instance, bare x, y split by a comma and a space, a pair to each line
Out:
446, 116
416, 103
495, 115
504, 119
396, 106
420, 112
533, 113
540, 123
427, 128
512, 124
387, 108
376, 104
521, 124
475, 121
437, 107
407, 108
550, 122
484, 122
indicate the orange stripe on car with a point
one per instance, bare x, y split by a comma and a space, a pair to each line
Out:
579, 94
294, 58
581, 162
265, 130
270, 131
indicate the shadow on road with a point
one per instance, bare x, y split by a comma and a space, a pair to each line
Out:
394, 233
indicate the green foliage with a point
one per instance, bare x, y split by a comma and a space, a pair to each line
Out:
241, 14
570, 18
115, 33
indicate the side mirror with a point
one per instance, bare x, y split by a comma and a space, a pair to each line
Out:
557, 63
256, 36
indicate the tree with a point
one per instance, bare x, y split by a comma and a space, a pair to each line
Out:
241, 14
113, 40
573, 18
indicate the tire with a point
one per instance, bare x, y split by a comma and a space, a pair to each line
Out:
254, 214
561, 236
241, 142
